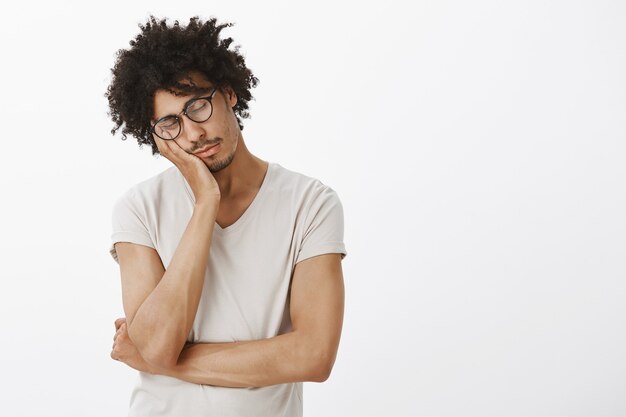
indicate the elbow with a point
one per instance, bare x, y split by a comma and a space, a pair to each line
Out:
156, 355
320, 376
315, 358
160, 362
159, 359
321, 367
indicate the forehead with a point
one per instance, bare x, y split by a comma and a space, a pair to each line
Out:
166, 103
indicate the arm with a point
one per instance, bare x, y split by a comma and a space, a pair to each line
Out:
305, 354
160, 306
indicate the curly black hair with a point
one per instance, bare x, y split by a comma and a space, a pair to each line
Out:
159, 58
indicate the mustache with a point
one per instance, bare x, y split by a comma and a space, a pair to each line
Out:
204, 145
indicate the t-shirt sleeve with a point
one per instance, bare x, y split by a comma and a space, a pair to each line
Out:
323, 229
129, 224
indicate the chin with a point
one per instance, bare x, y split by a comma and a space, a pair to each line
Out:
220, 164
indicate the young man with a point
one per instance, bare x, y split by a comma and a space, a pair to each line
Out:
231, 273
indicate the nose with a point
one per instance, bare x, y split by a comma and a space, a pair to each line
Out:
192, 132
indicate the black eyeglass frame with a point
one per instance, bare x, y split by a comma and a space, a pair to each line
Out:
184, 111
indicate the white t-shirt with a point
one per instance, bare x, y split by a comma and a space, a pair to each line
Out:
246, 286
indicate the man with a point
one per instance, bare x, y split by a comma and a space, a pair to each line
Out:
230, 265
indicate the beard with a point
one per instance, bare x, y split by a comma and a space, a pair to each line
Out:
218, 165
221, 164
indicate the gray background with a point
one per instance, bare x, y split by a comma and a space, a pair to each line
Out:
479, 152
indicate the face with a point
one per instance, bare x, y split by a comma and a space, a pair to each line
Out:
221, 128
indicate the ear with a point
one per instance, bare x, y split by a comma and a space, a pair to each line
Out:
230, 96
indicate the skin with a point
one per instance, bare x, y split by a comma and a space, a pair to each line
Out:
236, 172
224, 185
307, 353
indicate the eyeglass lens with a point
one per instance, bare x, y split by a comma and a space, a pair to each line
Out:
199, 111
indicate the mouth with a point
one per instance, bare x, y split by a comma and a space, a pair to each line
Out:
204, 150
208, 151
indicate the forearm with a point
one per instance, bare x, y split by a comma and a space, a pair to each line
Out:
255, 363
162, 323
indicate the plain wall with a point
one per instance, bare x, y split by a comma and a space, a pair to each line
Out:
479, 152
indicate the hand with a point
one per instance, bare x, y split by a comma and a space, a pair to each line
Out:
125, 351
203, 184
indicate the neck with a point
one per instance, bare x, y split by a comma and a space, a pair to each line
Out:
244, 174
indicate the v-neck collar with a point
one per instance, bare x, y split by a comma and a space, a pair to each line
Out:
246, 214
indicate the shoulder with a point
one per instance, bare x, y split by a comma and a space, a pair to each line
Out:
305, 187
311, 200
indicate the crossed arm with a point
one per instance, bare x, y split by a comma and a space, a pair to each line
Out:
307, 353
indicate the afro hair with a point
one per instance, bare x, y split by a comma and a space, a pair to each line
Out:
159, 58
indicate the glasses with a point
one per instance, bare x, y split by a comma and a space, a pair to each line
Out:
197, 110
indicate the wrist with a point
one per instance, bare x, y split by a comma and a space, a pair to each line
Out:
210, 207
160, 370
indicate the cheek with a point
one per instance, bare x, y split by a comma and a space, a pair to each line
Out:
232, 133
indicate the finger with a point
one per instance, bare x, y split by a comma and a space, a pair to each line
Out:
163, 146
159, 143
120, 330
119, 322
166, 145
173, 151
176, 149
